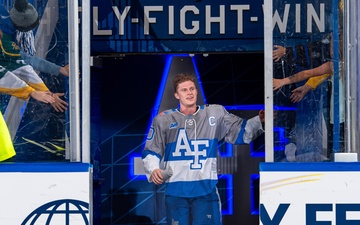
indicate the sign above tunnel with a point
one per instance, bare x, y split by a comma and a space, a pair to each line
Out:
174, 26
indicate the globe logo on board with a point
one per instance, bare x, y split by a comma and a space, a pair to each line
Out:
64, 211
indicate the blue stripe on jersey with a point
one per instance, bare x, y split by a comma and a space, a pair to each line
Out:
149, 152
205, 149
240, 138
189, 189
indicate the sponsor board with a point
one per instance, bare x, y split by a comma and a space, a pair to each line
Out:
310, 194
44, 193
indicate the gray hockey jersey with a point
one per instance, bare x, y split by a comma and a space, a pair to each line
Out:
189, 145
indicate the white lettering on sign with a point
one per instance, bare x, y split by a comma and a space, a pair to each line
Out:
191, 21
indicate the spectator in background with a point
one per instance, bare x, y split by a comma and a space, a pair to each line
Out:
12, 85
24, 17
10, 60
321, 72
283, 66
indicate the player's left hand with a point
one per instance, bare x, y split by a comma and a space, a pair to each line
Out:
156, 177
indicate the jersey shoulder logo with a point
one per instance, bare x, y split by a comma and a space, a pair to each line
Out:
173, 125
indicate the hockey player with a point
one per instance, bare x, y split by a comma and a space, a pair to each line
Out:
186, 140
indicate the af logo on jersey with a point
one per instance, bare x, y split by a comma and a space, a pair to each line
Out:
197, 149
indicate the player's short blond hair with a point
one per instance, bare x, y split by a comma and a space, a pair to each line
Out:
182, 77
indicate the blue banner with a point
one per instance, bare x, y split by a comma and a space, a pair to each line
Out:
201, 26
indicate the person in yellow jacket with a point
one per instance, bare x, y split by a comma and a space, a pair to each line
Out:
11, 84
315, 76
7, 150
19, 79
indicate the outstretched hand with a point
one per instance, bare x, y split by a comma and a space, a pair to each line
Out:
65, 70
42, 96
277, 83
299, 93
278, 52
59, 105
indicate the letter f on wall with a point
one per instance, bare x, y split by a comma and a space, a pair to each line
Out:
279, 214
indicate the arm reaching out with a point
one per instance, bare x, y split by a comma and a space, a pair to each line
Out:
42, 96
44, 65
278, 83
65, 70
325, 68
299, 93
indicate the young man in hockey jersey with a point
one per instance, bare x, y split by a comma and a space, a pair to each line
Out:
186, 140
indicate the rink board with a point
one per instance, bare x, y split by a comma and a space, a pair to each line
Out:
45, 193
309, 193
